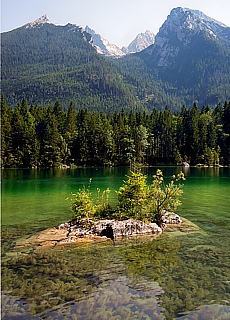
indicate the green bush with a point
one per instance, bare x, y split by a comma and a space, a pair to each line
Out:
132, 197
164, 197
136, 200
86, 210
82, 207
103, 208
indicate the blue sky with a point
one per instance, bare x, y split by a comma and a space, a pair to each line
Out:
119, 21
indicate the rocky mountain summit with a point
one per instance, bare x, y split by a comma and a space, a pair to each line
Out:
179, 30
42, 20
141, 42
103, 46
190, 52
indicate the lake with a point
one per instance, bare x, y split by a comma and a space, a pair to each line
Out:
173, 276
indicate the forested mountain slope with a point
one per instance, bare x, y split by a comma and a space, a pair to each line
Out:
43, 63
189, 60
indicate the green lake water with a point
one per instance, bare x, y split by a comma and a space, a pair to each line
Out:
174, 276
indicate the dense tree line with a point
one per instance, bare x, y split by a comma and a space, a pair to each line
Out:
37, 136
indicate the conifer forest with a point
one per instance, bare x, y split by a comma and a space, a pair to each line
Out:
39, 136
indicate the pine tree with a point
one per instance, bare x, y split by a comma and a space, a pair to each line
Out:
6, 134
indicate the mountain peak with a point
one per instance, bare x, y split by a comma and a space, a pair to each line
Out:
42, 20
103, 46
191, 14
142, 41
177, 32
193, 20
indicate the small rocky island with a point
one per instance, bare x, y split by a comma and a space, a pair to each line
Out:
104, 230
113, 229
137, 203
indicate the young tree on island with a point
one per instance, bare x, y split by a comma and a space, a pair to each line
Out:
136, 200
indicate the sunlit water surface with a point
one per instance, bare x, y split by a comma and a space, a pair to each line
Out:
170, 277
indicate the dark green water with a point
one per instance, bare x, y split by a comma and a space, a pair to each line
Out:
171, 277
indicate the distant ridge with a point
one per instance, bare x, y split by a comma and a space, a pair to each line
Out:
188, 61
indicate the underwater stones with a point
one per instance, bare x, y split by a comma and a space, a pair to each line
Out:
118, 298
47, 238
213, 311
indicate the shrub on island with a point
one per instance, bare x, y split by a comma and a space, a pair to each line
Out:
136, 200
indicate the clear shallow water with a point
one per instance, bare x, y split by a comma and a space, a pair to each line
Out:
171, 277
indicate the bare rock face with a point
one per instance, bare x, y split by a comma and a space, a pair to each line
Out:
114, 228
111, 229
170, 218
